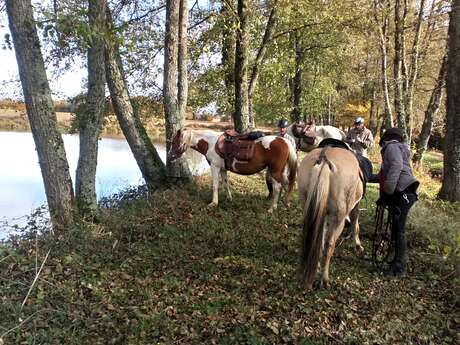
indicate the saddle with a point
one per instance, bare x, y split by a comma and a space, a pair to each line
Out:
365, 164
307, 132
233, 145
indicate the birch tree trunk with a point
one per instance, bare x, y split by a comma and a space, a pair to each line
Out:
450, 189
91, 121
269, 28
40, 111
383, 35
430, 113
241, 117
413, 70
397, 69
147, 158
175, 80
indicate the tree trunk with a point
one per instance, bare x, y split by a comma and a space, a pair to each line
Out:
182, 79
329, 110
430, 113
412, 76
241, 117
269, 28
450, 189
175, 80
91, 121
147, 158
228, 56
383, 34
397, 69
41, 114
373, 114
297, 80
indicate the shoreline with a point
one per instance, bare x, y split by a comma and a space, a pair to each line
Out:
16, 121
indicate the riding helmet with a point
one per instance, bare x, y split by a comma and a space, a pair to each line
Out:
283, 123
359, 120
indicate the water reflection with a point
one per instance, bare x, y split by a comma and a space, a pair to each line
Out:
21, 183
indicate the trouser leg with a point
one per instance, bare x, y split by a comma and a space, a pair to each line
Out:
401, 208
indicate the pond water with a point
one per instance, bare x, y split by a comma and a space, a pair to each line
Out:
21, 184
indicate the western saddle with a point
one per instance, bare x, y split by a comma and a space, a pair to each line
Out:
233, 145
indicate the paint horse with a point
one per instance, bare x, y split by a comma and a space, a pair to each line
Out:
272, 152
308, 136
330, 186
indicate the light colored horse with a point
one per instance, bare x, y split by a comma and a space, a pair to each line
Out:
330, 188
320, 133
272, 152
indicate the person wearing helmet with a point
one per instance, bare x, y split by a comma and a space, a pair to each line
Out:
283, 125
359, 137
398, 191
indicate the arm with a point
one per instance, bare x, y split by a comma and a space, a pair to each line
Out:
368, 140
393, 162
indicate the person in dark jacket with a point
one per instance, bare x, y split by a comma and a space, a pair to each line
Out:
398, 190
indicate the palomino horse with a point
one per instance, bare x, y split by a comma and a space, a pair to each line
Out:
270, 151
330, 188
309, 136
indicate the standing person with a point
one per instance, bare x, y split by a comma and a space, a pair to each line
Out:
398, 191
283, 125
359, 137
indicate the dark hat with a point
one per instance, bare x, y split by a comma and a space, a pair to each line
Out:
393, 133
283, 123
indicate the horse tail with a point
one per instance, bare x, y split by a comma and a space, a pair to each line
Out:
292, 164
313, 234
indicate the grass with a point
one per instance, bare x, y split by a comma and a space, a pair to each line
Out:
165, 269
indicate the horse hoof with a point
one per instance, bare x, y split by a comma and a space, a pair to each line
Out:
212, 204
359, 250
271, 209
324, 284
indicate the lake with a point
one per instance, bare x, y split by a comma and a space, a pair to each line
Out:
21, 183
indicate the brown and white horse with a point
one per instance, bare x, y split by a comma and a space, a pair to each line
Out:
318, 134
272, 152
330, 188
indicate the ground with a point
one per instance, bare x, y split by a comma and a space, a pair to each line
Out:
165, 269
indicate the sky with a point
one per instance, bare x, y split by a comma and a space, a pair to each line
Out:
63, 86
66, 85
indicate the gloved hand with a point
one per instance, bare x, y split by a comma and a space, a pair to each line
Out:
384, 199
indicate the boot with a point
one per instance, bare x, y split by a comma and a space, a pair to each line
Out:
397, 266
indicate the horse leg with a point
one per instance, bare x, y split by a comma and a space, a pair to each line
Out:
285, 184
268, 181
335, 232
276, 194
225, 185
354, 217
215, 172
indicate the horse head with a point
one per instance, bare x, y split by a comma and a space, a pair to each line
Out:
179, 144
